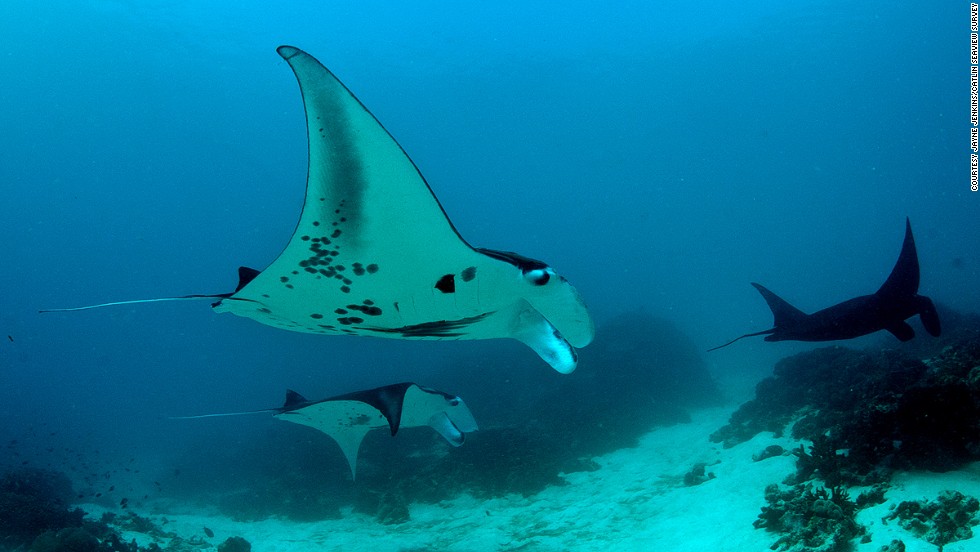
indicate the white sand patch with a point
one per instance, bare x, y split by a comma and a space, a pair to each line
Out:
636, 501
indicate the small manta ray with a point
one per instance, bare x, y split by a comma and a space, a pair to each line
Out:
375, 254
348, 418
887, 309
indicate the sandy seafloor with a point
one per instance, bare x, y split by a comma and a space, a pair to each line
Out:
635, 501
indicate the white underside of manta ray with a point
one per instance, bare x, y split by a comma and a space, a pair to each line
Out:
375, 254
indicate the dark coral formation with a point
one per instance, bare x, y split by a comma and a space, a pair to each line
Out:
771, 451
36, 515
868, 414
32, 502
235, 544
698, 475
949, 518
71, 539
810, 520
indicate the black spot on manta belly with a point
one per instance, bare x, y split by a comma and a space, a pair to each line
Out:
369, 310
347, 321
468, 274
447, 284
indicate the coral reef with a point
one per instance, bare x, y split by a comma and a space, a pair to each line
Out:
868, 414
36, 515
697, 475
949, 518
32, 502
139, 524
235, 544
72, 539
769, 452
893, 546
810, 520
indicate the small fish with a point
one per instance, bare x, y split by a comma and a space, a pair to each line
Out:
112, 488
10, 338
123, 503
209, 533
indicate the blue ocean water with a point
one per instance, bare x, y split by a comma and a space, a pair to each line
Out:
660, 155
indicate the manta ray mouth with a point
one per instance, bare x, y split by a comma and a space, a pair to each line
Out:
444, 426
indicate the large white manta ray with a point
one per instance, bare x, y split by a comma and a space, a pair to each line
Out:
375, 254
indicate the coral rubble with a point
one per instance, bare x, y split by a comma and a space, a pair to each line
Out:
949, 518
810, 520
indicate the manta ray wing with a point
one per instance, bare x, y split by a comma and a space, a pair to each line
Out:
375, 254
345, 421
903, 281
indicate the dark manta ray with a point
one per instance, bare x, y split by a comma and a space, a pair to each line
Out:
348, 418
887, 309
375, 254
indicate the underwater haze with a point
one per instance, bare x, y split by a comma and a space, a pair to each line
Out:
661, 155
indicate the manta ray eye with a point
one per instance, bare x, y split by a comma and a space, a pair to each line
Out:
454, 401
538, 276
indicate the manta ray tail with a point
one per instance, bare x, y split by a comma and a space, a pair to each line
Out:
222, 414
134, 301
245, 275
740, 337
782, 313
